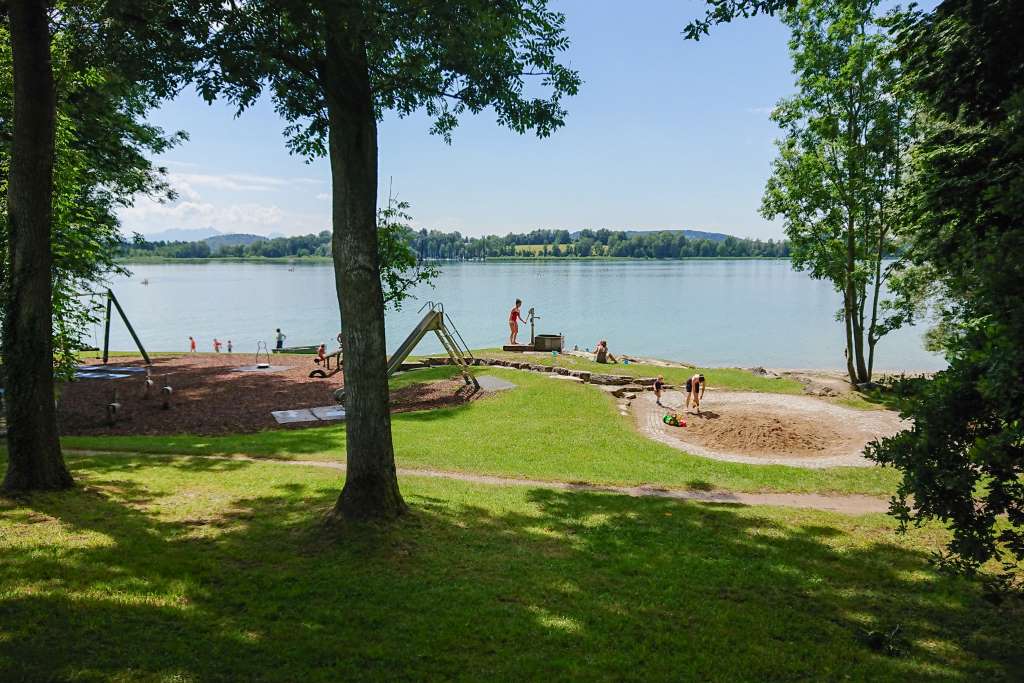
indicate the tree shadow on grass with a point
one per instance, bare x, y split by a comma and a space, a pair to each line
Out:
229, 575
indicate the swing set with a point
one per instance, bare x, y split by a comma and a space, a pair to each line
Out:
113, 303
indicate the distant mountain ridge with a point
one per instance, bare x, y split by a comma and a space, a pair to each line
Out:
689, 234
183, 234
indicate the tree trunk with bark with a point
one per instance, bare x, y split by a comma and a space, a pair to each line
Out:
33, 448
371, 481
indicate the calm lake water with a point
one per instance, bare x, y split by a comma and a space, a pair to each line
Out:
714, 312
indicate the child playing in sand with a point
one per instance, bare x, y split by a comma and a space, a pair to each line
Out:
659, 384
513, 323
321, 354
695, 387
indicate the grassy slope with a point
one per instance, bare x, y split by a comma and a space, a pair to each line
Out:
191, 569
545, 428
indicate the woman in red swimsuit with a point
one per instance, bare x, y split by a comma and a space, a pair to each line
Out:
513, 322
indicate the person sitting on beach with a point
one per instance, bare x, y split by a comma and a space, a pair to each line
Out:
601, 353
659, 384
695, 387
513, 323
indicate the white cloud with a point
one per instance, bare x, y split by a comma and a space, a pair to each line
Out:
324, 196
148, 217
237, 182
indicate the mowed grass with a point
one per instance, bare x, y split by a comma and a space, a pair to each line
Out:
735, 379
190, 569
544, 428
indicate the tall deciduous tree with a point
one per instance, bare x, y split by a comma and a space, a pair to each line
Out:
837, 179
963, 458
333, 67
106, 63
34, 456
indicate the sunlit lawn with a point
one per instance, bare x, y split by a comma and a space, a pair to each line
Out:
192, 569
544, 428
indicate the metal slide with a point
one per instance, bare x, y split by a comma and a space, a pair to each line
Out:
438, 322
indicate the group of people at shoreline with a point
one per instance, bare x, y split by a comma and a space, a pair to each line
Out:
695, 385
218, 344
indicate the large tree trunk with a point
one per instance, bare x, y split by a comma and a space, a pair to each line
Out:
371, 482
33, 449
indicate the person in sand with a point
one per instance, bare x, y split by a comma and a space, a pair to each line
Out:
513, 323
695, 387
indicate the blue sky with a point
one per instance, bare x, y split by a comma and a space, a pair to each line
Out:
665, 133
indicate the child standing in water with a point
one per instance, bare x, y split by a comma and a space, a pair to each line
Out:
513, 323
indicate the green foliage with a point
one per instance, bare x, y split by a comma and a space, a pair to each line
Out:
963, 460
724, 11
446, 58
839, 173
400, 270
102, 148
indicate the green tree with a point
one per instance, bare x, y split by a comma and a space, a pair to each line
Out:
105, 64
333, 68
837, 179
34, 456
963, 458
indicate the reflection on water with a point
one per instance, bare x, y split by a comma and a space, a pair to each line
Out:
715, 312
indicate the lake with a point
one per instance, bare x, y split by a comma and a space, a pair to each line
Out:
719, 312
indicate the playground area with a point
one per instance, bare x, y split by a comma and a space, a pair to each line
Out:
768, 429
218, 394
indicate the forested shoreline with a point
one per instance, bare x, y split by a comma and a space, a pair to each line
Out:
453, 246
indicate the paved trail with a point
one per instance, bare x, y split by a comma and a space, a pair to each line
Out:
846, 504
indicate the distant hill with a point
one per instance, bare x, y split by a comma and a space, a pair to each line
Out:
690, 234
182, 235
217, 242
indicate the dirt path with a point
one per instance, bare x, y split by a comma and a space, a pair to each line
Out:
768, 429
848, 504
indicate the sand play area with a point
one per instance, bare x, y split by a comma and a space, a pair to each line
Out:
776, 429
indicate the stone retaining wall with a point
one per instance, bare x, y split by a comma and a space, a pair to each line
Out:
624, 384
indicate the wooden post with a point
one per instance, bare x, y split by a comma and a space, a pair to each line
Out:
106, 330
131, 329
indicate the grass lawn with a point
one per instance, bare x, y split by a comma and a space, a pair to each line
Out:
188, 569
544, 429
735, 379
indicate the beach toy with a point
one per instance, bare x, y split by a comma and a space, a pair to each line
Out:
673, 420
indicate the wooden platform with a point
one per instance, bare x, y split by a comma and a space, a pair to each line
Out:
517, 347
